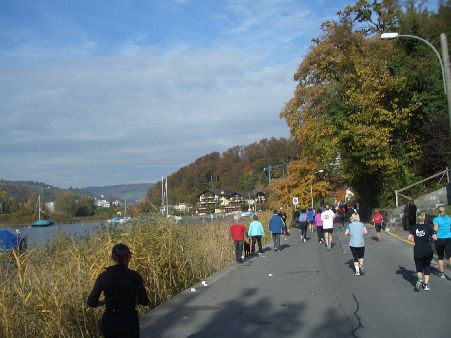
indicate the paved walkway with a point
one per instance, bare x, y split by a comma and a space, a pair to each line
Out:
305, 291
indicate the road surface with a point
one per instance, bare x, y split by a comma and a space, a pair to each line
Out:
306, 291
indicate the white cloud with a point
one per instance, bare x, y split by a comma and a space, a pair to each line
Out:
138, 109
74, 116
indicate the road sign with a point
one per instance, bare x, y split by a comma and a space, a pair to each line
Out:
295, 200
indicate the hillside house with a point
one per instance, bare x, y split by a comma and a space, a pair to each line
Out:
224, 200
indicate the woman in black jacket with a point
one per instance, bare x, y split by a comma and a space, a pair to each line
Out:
123, 289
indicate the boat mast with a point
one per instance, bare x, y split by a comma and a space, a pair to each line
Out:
39, 207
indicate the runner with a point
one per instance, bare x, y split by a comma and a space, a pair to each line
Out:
295, 218
421, 234
378, 220
327, 216
303, 219
442, 226
342, 215
319, 226
357, 230
311, 218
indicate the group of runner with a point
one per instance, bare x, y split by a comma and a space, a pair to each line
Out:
421, 234
323, 220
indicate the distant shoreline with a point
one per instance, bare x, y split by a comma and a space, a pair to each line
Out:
59, 222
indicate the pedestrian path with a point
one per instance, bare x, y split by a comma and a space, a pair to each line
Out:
306, 291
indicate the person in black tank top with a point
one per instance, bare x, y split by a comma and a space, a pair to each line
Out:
123, 290
421, 235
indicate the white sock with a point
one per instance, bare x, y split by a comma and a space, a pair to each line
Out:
357, 269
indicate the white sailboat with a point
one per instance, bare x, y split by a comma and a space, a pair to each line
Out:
41, 222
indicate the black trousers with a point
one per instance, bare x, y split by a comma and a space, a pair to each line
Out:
123, 324
319, 232
259, 241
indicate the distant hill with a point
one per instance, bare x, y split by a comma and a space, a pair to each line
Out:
130, 192
240, 168
22, 190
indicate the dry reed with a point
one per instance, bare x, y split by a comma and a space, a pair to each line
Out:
43, 291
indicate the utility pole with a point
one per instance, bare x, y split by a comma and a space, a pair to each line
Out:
447, 79
271, 167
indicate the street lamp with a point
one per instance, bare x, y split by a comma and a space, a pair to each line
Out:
311, 184
446, 72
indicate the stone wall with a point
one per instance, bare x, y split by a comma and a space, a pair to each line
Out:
427, 203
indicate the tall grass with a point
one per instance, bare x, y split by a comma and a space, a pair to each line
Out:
43, 292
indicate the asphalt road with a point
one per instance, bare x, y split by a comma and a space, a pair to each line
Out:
306, 291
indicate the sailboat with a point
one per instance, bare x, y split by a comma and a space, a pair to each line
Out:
41, 222
120, 220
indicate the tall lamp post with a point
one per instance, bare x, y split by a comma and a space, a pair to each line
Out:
311, 184
444, 63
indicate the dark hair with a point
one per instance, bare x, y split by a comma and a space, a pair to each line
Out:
120, 252
319, 211
275, 211
255, 217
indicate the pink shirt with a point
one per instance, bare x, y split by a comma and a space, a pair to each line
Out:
318, 221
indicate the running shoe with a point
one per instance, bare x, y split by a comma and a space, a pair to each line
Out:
442, 275
305, 240
357, 273
362, 271
426, 287
418, 286
328, 248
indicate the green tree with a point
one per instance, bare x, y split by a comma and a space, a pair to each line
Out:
66, 202
367, 100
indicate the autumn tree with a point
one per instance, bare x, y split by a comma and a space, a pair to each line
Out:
367, 101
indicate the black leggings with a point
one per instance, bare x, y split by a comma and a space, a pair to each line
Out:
357, 252
319, 232
124, 324
303, 227
422, 264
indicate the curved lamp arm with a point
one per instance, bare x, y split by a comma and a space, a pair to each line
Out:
396, 35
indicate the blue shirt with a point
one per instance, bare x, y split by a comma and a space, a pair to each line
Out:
356, 231
311, 215
444, 226
303, 217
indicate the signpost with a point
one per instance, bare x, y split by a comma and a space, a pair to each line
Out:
295, 200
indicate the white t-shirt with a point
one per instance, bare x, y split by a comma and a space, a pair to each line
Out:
327, 216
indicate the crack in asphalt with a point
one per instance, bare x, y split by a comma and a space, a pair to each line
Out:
356, 315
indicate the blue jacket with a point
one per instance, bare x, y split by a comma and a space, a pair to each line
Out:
276, 224
255, 229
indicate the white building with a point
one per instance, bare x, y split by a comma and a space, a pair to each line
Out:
102, 203
50, 206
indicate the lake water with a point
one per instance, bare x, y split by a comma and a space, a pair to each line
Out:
37, 236
41, 235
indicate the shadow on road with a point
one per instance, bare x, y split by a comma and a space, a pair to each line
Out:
350, 264
408, 275
246, 316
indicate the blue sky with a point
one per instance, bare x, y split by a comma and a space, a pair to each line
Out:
111, 92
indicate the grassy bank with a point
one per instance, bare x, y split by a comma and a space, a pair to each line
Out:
43, 292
